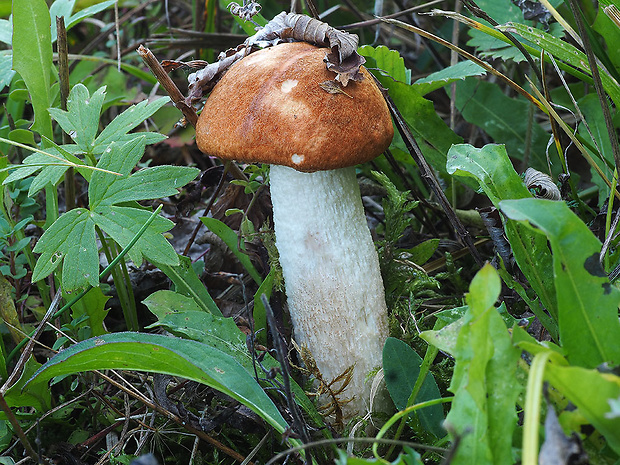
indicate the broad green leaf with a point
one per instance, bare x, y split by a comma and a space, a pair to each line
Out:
93, 305
189, 284
126, 121
81, 120
430, 132
232, 241
149, 183
182, 317
60, 8
401, 369
72, 20
161, 354
504, 118
119, 158
484, 380
491, 167
6, 71
123, 223
447, 76
387, 61
422, 252
32, 57
6, 31
593, 393
38, 397
587, 301
71, 240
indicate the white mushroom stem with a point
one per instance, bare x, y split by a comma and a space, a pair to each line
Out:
331, 270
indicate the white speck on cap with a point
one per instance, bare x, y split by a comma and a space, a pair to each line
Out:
297, 159
288, 85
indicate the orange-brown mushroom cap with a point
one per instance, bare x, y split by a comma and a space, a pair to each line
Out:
270, 108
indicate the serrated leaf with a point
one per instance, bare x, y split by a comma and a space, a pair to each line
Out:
81, 120
189, 284
232, 241
119, 158
123, 223
388, 61
161, 354
587, 301
183, 317
126, 121
448, 75
149, 183
70, 240
401, 368
49, 175
32, 57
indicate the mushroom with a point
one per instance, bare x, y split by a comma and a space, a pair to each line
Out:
281, 106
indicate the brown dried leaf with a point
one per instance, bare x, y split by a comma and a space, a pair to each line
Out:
173, 65
342, 60
332, 87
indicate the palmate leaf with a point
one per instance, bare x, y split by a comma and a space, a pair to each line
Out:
118, 129
81, 120
123, 223
70, 240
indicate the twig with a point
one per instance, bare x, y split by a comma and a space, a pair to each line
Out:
175, 94
298, 421
427, 173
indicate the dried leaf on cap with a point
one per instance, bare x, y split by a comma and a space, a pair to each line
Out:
342, 60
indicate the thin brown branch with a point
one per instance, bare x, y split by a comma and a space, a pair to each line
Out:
178, 99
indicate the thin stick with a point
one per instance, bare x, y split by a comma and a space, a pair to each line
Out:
175, 94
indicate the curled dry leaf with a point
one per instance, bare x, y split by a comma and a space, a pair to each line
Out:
332, 87
541, 185
342, 60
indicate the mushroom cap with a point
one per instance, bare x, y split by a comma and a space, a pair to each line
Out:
270, 108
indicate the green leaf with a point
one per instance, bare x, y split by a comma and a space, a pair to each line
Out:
189, 284
592, 393
183, 317
401, 368
85, 13
6, 68
232, 241
484, 380
119, 127
587, 302
149, 183
503, 118
447, 76
81, 120
60, 8
564, 51
32, 57
92, 305
431, 133
492, 169
123, 223
70, 239
161, 354
6, 31
388, 61
39, 397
